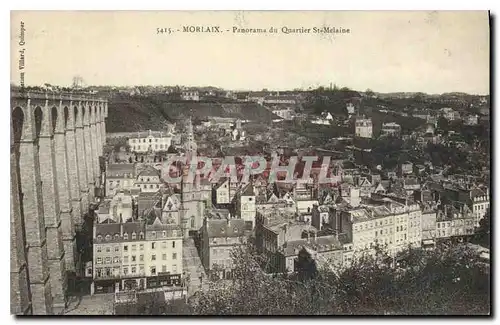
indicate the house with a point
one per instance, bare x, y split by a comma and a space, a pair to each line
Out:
120, 207
119, 177
192, 95
246, 205
390, 129
279, 99
151, 141
218, 238
351, 109
325, 119
472, 119
364, 128
163, 250
221, 191
449, 114
286, 113
320, 215
148, 180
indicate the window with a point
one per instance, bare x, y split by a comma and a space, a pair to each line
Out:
164, 244
134, 247
108, 271
133, 258
125, 236
125, 259
173, 244
153, 257
141, 258
134, 269
108, 249
125, 248
99, 260
125, 270
99, 272
116, 259
117, 248
164, 257
141, 268
108, 260
153, 245
141, 247
153, 234
164, 268
174, 256
164, 234
134, 236
98, 248
153, 270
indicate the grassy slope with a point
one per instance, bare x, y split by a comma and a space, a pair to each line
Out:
128, 114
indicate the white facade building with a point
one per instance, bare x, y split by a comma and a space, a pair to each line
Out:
151, 141
364, 128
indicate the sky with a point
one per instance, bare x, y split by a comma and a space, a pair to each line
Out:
407, 51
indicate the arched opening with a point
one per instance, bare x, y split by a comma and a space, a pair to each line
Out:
75, 113
83, 113
17, 124
54, 118
66, 116
18, 130
38, 122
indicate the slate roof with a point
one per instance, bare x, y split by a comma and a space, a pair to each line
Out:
225, 228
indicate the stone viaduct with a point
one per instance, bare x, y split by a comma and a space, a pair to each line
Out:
56, 142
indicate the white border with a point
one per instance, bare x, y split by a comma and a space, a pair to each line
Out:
197, 5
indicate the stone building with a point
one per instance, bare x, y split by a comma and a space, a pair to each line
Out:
56, 142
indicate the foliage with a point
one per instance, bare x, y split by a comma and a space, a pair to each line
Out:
448, 280
483, 231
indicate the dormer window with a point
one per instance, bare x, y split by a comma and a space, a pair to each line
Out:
99, 238
222, 230
153, 234
134, 236
125, 236
117, 236
235, 230
108, 237
141, 235
164, 234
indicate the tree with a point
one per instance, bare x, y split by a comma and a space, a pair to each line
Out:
369, 93
306, 266
483, 231
436, 282
443, 124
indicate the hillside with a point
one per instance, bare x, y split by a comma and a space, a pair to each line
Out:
128, 114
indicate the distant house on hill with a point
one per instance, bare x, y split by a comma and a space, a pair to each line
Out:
190, 95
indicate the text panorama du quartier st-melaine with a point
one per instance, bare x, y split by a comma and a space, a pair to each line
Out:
283, 30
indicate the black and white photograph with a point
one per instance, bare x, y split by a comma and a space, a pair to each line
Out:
250, 163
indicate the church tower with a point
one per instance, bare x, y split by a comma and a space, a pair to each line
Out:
184, 220
190, 145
